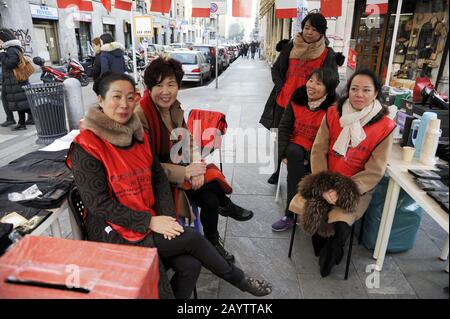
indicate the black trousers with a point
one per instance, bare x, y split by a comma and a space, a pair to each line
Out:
296, 156
209, 197
9, 114
186, 254
277, 115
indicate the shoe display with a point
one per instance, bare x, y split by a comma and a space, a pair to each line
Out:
236, 212
19, 127
274, 178
225, 254
256, 287
283, 224
8, 123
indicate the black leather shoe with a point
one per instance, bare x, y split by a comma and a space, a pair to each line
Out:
29, 122
225, 254
273, 179
236, 212
7, 123
19, 127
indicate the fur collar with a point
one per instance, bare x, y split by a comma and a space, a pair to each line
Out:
108, 129
11, 43
109, 47
306, 51
300, 97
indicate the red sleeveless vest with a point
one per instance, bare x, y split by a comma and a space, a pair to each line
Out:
306, 125
297, 76
353, 162
129, 174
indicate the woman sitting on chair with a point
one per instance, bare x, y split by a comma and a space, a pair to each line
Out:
298, 128
348, 159
127, 195
161, 115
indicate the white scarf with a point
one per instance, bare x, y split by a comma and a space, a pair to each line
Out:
315, 104
352, 123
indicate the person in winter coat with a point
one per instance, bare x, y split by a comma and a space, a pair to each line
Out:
127, 194
348, 159
253, 49
306, 52
161, 114
298, 128
111, 55
13, 95
96, 65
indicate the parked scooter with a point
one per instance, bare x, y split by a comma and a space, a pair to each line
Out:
51, 74
140, 60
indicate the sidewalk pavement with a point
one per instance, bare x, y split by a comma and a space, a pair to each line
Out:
243, 90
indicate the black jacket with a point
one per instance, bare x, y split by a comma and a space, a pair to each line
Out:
96, 67
111, 58
13, 95
288, 120
279, 70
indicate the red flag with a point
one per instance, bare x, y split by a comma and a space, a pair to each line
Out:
377, 7
162, 6
285, 9
331, 8
107, 5
201, 8
83, 5
124, 4
242, 8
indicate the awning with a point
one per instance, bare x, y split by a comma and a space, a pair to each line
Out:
265, 6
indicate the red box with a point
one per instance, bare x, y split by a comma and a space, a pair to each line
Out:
108, 271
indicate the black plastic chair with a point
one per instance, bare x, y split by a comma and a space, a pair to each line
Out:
350, 245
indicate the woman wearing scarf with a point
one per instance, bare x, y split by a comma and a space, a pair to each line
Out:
161, 114
348, 159
298, 128
308, 51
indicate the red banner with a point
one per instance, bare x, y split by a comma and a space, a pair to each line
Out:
123, 4
352, 58
331, 8
201, 8
162, 6
242, 8
83, 5
107, 5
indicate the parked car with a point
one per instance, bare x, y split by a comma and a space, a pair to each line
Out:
195, 66
176, 46
209, 52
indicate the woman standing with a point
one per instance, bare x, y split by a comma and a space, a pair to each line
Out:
305, 53
127, 195
96, 65
298, 128
13, 95
111, 55
348, 159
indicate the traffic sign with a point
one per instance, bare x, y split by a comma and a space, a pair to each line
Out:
219, 7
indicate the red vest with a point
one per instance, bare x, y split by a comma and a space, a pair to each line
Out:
129, 174
356, 157
306, 125
297, 75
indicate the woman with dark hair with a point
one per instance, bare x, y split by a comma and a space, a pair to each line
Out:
96, 65
161, 115
305, 53
13, 95
348, 159
111, 55
127, 195
298, 128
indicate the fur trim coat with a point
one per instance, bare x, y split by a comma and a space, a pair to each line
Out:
111, 58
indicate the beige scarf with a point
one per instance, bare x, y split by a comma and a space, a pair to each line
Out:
108, 129
306, 51
315, 104
352, 123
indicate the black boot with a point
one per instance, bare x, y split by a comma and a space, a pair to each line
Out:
274, 178
256, 287
216, 242
8, 123
19, 127
333, 251
236, 212
318, 243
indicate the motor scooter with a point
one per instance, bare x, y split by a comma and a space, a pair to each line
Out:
51, 74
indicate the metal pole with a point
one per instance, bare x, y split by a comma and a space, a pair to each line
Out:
133, 45
217, 52
394, 40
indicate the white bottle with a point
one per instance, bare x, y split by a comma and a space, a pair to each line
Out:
430, 143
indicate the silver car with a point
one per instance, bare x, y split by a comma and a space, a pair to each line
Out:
195, 67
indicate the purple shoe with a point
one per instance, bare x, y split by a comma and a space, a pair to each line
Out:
283, 224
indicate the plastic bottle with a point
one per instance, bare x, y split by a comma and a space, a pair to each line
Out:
430, 143
422, 128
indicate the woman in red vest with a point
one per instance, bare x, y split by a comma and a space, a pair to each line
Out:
348, 159
298, 128
306, 52
127, 194
161, 114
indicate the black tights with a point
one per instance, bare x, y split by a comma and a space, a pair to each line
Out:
22, 116
209, 197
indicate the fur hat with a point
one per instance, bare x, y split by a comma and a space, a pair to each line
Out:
316, 208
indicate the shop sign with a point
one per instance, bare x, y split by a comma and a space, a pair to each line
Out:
108, 20
43, 12
352, 59
143, 26
82, 17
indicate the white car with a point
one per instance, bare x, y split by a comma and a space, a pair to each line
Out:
195, 67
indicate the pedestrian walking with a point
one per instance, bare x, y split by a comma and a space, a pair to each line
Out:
253, 49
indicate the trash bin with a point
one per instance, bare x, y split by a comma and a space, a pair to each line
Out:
47, 106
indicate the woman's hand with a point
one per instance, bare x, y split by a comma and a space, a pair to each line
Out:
197, 182
195, 169
330, 196
166, 226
